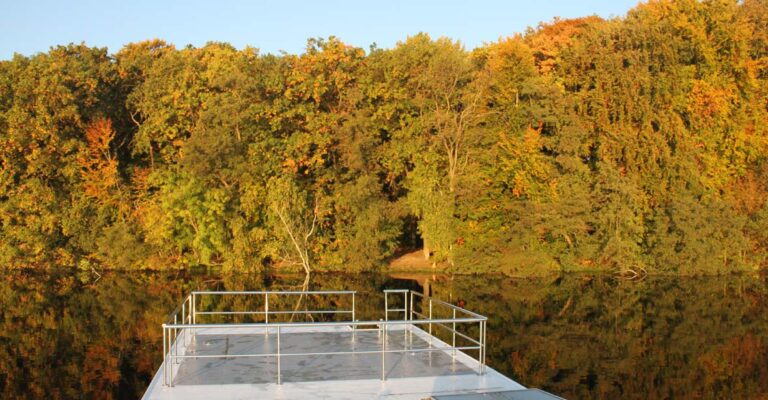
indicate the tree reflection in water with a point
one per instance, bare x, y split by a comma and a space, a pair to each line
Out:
64, 336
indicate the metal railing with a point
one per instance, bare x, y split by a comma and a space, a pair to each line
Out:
266, 312
182, 323
454, 332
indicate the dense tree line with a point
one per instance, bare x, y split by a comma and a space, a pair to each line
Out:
632, 144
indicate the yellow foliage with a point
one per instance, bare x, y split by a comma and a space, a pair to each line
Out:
709, 101
98, 165
521, 159
549, 39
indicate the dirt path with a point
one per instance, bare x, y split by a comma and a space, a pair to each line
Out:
413, 261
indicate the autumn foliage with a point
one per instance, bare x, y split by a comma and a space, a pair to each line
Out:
632, 145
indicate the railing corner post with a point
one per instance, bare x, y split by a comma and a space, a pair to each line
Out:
165, 356
386, 306
485, 323
430, 323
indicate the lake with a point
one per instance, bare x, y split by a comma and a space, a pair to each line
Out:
71, 335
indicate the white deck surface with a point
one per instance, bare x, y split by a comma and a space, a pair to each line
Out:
412, 375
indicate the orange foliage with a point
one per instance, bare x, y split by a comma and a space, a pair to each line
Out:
748, 193
550, 39
709, 101
98, 166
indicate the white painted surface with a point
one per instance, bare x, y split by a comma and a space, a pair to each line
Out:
416, 388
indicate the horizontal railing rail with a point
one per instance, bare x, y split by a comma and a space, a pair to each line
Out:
266, 312
453, 328
409, 350
276, 292
273, 312
324, 324
446, 304
182, 323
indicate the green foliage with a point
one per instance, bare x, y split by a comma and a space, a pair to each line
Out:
186, 218
367, 225
632, 145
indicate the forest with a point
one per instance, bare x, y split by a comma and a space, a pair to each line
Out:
631, 145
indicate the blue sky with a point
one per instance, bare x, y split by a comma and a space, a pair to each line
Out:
30, 26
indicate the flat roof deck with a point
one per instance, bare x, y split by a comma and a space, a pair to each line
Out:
409, 375
347, 359
312, 368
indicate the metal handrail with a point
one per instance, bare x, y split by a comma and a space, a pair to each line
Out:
453, 328
309, 324
180, 308
449, 305
294, 292
266, 293
273, 312
409, 350
387, 310
176, 330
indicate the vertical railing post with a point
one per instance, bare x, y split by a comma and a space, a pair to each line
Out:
172, 359
481, 351
405, 307
482, 361
453, 343
175, 339
386, 306
405, 317
279, 376
189, 321
384, 352
165, 356
354, 319
194, 316
430, 324
184, 320
266, 313
410, 317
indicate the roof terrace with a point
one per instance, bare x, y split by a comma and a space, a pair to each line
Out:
431, 348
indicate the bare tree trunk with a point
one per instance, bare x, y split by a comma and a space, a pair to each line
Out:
452, 151
304, 288
452, 179
426, 250
301, 247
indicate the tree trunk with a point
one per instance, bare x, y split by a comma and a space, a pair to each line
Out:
426, 250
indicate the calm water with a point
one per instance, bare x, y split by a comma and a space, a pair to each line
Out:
68, 336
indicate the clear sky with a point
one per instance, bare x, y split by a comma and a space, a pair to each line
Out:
31, 26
